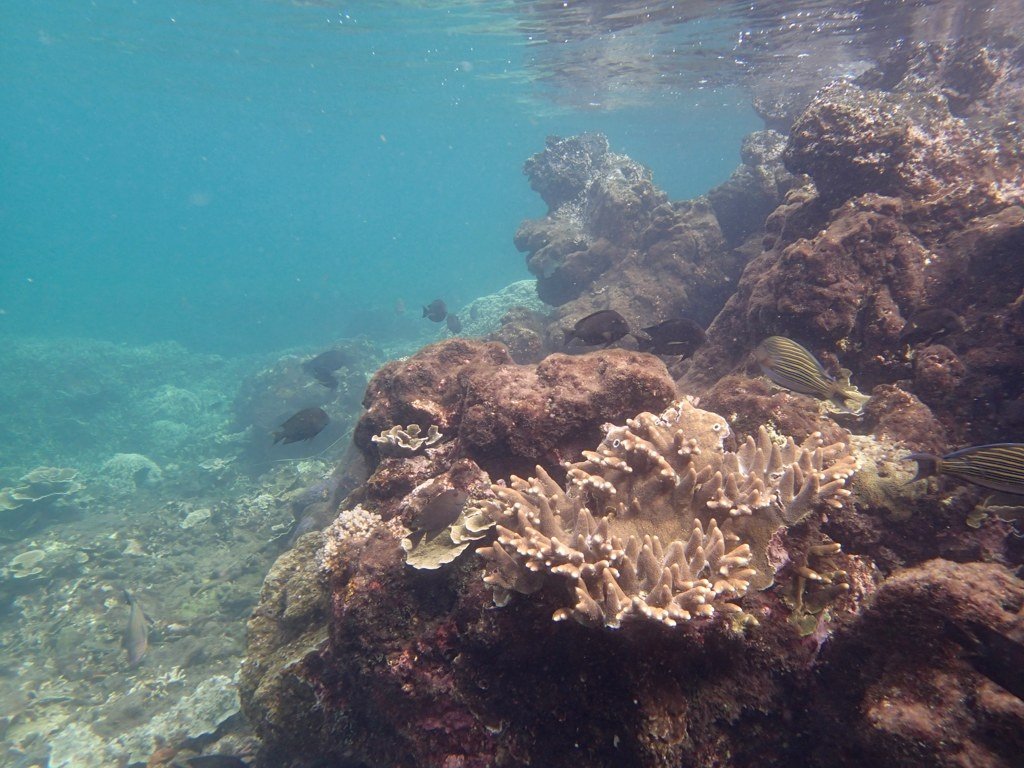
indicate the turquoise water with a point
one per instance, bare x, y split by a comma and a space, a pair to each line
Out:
249, 176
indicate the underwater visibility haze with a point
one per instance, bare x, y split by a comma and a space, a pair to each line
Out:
245, 176
511, 382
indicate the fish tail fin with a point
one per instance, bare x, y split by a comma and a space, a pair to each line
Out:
927, 465
278, 436
567, 336
128, 596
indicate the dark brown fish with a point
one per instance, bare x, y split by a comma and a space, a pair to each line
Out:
680, 337
215, 761
453, 322
604, 327
474, 312
435, 311
304, 425
930, 323
438, 513
323, 366
136, 634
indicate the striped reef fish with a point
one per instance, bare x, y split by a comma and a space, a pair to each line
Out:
999, 466
791, 366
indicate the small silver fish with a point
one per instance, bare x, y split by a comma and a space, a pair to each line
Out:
999, 466
136, 634
791, 366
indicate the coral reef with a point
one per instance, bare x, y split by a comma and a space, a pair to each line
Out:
734, 599
916, 202
405, 441
611, 239
485, 314
756, 187
125, 473
637, 534
509, 417
35, 495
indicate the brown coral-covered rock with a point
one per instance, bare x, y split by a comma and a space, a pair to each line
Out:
893, 414
929, 675
612, 240
855, 139
507, 416
914, 207
285, 635
748, 402
417, 669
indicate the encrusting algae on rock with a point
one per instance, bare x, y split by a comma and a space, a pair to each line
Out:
638, 531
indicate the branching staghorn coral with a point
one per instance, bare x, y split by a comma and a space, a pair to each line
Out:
637, 530
405, 441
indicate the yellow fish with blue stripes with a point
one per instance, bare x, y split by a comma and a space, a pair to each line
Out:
791, 366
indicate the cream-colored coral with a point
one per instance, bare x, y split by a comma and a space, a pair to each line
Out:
660, 522
405, 441
27, 564
435, 549
40, 484
124, 473
354, 524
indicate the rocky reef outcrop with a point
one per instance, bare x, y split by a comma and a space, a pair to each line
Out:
929, 674
400, 666
915, 203
612, 239
510, 417
593, 567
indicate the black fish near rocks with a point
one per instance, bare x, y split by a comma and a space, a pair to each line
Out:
929, 324
999, 466
304, 425
604, 327
323, 366
680, 337
215, 761
453, 323
436, 311
440, 512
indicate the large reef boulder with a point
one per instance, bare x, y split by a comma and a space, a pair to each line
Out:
916, 203
597, 203
930, 674
510, 417
923, 126
612, 239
